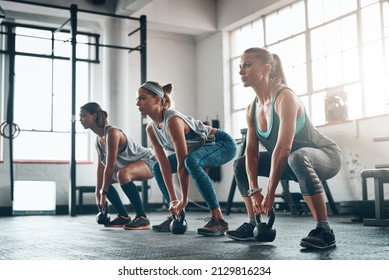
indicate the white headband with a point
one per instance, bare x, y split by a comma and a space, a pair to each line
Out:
154, 89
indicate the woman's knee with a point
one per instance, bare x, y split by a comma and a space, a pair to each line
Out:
296, 158
191, 162
240, 165
123, 176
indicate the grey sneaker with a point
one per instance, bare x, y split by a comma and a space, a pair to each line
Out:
319, 238
214, 227
242, 233
138, 223
119, 221
163, 227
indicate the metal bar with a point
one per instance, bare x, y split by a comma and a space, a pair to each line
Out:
72, 188
10, 105
133, 32
143, 77
51, 57
60, 28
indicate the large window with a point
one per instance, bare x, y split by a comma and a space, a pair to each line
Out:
335, 54
43, 94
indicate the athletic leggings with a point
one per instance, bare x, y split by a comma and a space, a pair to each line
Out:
307, 166
206, 156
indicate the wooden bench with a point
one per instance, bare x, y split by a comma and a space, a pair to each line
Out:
380, 176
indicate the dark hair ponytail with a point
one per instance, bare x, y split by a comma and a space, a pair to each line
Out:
94, 108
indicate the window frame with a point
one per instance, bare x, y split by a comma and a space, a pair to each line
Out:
92, 58
338, 88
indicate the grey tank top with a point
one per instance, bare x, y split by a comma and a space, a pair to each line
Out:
201, 132
309, 136
128, 153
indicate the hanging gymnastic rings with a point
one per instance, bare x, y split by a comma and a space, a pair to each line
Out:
4, 130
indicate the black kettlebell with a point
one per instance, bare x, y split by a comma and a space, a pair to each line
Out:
265, 232
178, 226
103, 217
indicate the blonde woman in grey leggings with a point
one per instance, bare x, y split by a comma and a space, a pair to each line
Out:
295, 149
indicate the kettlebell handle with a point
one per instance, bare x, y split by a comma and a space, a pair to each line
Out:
104, 208
270, 222
182, 217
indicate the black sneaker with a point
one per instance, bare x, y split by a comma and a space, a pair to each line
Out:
319, 238
242, 233
138, 223
214, 227
119, 221
163, 227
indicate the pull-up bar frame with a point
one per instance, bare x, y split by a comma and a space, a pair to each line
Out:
143, 59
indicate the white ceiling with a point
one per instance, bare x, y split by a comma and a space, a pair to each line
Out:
196, 18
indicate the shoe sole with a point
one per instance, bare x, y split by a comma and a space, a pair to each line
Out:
137, 228
308, 245
113, 226
160, 230
210, 233
238, 238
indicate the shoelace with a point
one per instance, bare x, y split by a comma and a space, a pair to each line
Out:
211, 221
245, 227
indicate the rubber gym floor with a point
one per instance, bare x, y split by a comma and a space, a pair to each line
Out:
61, 237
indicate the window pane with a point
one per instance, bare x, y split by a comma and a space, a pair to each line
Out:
375, 99
294, 65
242, 96
347, 6
318, 108
49, 146
297, 79
82, 47
315, 12
62, 44
386, 19
246, 37
365, 3
62, 94
318, 74
32, 87
371, 23
235, 71
334, 70
373, 61
305, 100
273, 28
350, 66
349, 32
33, 41
331, 9
238, 122
297, 17
354, 101
82, 85
333, 37
318, 49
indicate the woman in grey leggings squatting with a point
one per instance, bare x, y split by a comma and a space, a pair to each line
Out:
193, 146
294, 149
